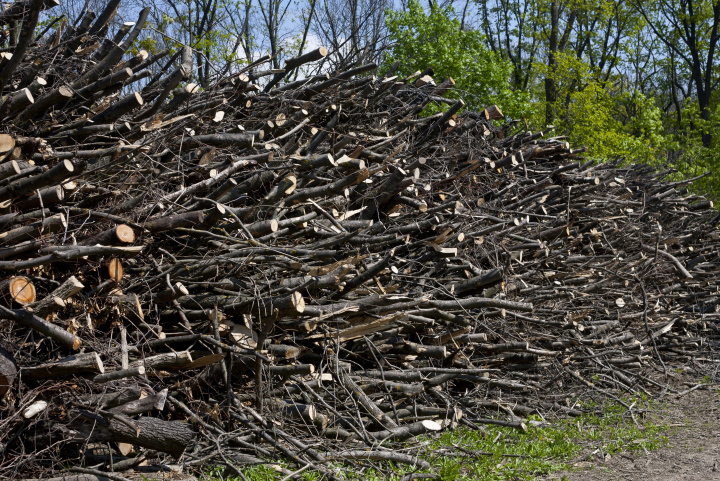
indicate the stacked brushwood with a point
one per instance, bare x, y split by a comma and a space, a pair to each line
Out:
310, 270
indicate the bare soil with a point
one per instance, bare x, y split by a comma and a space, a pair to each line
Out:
692, 451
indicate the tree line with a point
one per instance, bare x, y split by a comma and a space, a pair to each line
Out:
631, 78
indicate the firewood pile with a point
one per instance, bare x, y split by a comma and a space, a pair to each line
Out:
309, 270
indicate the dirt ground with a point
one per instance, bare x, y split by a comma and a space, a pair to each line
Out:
692, 452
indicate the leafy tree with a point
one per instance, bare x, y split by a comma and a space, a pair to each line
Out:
691, 31
601, 113
694, 158
421, 39
594, 118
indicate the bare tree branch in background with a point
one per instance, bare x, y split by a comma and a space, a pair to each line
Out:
353, 30
273, 14
241, 29
308, 21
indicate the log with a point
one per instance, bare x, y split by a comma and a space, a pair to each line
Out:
143, 405
212, 216
47, 196
118, 109
67, 253
172, 360
243, 140
71, 477
36, 85
281, 351
259, 229
307, 412
186, 220
384, 456
77, 364
36, 229
109, 400
402, 433
439, 352
7, 143
287, 371
12, 168
121, 234
113, 270
120, 374
171, 437
485, 279
55, 175
17, 101
493, 113
28, 319
17, 290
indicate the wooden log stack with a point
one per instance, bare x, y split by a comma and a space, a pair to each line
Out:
305, 269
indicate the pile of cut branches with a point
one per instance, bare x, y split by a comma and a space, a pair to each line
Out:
309, 270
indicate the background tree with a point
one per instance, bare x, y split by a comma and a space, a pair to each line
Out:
689, 29
354, 31
434, 39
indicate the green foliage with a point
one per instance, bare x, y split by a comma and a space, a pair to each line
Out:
593, 118
591, 109
421, 39
694, 159
44, 22
148, 44
609, 121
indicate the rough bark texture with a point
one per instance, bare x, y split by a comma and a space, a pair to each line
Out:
170, 437
8, 371
76, 364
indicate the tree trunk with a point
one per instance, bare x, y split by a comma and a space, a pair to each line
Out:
550, 85
166, 436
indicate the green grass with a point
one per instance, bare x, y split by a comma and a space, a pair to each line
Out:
459, 454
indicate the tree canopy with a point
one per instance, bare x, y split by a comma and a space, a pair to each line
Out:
435, 39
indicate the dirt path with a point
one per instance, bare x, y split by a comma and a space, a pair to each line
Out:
692, 452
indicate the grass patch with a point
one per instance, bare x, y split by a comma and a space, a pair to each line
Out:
495, 453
